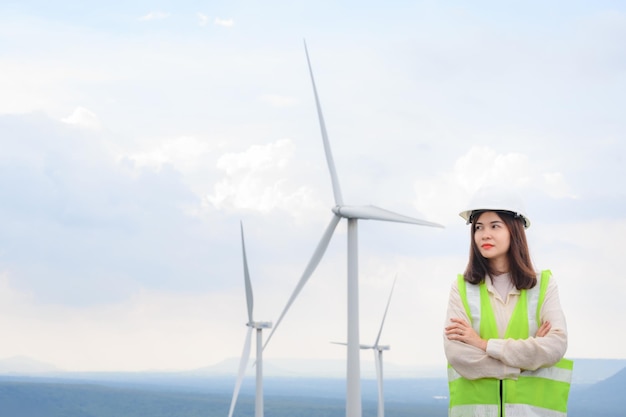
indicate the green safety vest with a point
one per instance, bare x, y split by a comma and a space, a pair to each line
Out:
542, 392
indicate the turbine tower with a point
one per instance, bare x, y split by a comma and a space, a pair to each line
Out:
378, 358
258, 326
353, 214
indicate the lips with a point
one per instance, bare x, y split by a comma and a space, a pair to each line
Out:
487, 246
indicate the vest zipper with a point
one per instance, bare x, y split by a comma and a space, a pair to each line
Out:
501, 398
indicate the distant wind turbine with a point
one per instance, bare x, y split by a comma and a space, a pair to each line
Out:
353, 214
378, 358
259, 326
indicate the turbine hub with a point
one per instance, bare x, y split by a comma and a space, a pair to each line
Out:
337, 211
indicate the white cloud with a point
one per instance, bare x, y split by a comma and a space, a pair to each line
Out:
157, 15
66, 184
484, 166
186, 153
202, 18
441, 199
82, 117
224, 22
190, 156
258, 179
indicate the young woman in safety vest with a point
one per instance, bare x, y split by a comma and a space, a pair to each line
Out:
505, 333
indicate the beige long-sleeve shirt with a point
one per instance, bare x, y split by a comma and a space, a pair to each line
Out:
506, 358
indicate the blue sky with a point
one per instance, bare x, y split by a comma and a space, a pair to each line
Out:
134, 138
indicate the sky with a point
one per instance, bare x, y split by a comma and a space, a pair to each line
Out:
136, 139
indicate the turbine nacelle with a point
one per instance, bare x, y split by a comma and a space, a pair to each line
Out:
361, 346
379, 348
260, 324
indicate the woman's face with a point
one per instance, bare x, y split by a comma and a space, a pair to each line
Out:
493, 239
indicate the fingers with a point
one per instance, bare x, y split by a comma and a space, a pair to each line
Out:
454, 331
458, 330
544, 329
459, 321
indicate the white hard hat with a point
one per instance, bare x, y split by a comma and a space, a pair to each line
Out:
496, 199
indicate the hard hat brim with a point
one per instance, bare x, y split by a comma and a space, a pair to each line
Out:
467, 215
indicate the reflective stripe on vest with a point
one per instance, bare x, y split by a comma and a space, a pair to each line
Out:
542, 392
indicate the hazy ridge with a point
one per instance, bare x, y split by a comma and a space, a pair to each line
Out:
597, 390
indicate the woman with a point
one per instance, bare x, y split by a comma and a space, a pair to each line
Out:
505, 333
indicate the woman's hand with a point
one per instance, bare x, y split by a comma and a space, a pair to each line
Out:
544, 329
461, 330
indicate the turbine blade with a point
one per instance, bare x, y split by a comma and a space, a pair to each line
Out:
246, 275
377, 213
329, 156
385, 315
360, 346
245, 355
315, 260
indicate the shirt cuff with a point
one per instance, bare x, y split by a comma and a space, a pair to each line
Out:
495, 349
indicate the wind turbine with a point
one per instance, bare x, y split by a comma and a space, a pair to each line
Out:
352, 214
378, 357
258, 326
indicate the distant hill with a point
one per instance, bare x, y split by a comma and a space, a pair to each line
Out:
596, 390
590, 371
586, 371
321, 368
24, 366
610, 388
603, 399
284, 397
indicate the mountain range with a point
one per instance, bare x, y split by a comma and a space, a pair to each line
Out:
34, 389
586, 371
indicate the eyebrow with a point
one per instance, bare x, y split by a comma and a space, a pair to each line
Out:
491, 222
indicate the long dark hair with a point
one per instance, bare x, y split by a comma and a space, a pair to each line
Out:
521, 267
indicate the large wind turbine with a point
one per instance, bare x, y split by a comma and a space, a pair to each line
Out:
352, 214
259, 326
378, 358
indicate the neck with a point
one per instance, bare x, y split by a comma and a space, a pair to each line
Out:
499, 266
